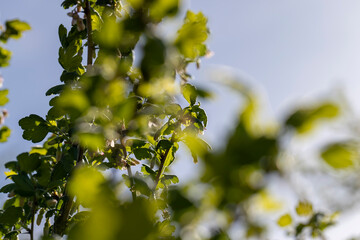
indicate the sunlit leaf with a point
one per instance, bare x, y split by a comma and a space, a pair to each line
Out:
192, 35
304, 209
3, 97
4, 133
284, 220
339, 155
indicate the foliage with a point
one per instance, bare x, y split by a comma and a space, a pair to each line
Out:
112, 116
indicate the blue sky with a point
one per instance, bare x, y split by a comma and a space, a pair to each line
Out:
289, 50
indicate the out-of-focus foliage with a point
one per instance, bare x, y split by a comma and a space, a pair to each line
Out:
116, 124
13, 29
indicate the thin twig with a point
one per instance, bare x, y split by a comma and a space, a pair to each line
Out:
132, 183
33, 220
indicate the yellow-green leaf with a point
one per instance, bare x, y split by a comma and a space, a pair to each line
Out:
339, 155
304, 209
284, 220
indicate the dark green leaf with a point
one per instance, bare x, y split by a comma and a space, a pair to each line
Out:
62, 35
8, 188
24, 186
55, 90
142, 153
29, 163
35, 128
11, 216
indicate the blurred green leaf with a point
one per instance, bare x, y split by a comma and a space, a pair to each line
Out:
4, 133
304, 208
192, 35
5, 56
162, 8
304, 120
339, 155
3, 97
285, 220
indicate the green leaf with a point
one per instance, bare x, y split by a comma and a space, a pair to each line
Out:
167, 180
146, 170
164, 145
5, 56
140, 185
8, 188
24, 186
142, 153
69, 76
17, 26
172, 109
284, 220
3, 97
153, 59
11, 216
14, 29
304, 209
35, 128
339, 155
55, 90
69, 3
201, 115
192, 36
189, 93
110, 35
12, 165
4, 133
70, 58
73, 102
197, 146
304, 120
29, 163
93, 141
163, 8
62, 35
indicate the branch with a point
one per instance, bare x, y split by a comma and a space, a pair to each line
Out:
161, 167
132, 184
60, 223
89, 33
33, 220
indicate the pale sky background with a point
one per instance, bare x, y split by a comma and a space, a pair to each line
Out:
288, 49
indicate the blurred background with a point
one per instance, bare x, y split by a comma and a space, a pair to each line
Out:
288, 52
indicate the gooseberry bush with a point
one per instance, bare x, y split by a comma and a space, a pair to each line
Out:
114, 127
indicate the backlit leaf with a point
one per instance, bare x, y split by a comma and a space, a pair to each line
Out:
339, 155
284, 220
